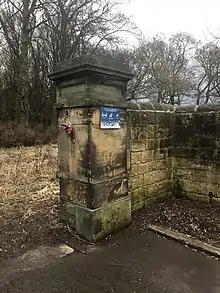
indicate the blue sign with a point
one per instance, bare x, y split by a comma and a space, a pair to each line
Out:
109, 118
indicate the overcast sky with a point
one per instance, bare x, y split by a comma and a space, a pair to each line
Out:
169, 16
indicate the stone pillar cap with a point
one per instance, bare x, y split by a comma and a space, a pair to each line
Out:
87, 64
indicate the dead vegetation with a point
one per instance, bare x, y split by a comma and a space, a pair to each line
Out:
28, 198
27, 181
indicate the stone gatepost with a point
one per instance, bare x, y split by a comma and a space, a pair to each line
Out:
92, 140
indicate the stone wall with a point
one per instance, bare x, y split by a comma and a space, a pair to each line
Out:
149, 152
196, 152
167, 150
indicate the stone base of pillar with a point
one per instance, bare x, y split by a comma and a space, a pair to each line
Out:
94, 225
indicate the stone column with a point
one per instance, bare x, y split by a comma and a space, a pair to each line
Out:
92, 160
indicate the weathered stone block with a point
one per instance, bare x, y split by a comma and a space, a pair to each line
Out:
143, 168
137, 181
166, 119
149, 117
184, 174
158, 129
203, 141
74, 191
106, 153
164, 132
165, 186
197, 164
137, 145
205, 124
214, 176
190, 153
197, 196
136, 157
160, 165
152, 144
216, 157
150, 178
102, 193
170, 163
130, 182
139, 132
200, 176
217, 191
178, 120
69, 92
181, 162
151, 166
139, 195
151, 130
160, 154
146, 156
153, 190
96, 224
216, 200
94, 116
136, 117
165, 142
150, 200
73, 116
105, 92
163, 175
71, 152
205, 154
199, 187
135, 169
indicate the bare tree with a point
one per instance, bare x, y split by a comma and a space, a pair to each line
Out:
78, 26
19, 20
162, 68
208, 58
38, 33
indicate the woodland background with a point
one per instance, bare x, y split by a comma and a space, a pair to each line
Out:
35, 34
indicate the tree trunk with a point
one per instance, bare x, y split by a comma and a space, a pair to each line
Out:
198, 98
172, 101
25, 39
18, 108
207, 97
159, 97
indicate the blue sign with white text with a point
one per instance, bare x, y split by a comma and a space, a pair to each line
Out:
109, 118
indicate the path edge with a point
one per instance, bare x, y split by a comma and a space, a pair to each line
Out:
186, 240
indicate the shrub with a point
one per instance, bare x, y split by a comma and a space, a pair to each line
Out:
12, 134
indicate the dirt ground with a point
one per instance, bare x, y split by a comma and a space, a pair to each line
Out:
29, 199
198, 219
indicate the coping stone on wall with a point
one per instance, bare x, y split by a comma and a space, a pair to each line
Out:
198, 108
147, 106
149, 113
